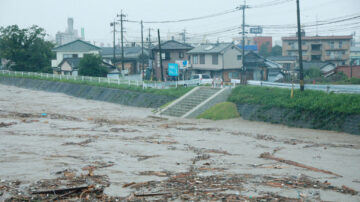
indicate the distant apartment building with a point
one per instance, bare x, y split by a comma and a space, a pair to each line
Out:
70, 34
334, 49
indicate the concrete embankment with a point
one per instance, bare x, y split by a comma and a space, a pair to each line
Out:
119, 96
349, 123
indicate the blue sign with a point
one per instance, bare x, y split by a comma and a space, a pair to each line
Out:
185, 63
173, 69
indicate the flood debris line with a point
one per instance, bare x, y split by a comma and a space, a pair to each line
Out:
305, 182
189, 186
82, 143
267, 155
2, 124
124, 130
69, 186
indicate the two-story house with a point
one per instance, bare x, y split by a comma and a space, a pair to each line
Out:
68, 56
171, 52
220, 60
334, 49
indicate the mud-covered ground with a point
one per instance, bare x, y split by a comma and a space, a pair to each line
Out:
54, 146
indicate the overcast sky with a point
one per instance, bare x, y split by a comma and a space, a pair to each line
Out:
95, 17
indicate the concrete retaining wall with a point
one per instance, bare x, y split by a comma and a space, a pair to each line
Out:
125, 97
302, 119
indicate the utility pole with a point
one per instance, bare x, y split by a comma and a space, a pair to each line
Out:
243, 7
161, 65
150, 53
122, 40
149, 38
114, 31
300, 47
142, 50
183, 34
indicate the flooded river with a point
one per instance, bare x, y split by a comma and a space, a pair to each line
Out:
43, 134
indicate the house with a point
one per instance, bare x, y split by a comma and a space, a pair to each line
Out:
334, 49
288, 63
171, 52
74, 49
220, 60
260, 69
132, 58
69, 66
326, 68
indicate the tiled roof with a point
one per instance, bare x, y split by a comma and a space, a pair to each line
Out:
129, 52
210, 48
317, 37
76, 46
73, 62
282, 58
173, 45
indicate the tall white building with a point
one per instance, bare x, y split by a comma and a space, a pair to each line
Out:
70, 34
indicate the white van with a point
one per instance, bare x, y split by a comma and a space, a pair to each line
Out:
203, 78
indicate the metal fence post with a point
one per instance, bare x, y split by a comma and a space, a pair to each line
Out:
99, 79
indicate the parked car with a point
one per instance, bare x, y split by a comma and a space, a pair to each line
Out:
202, 79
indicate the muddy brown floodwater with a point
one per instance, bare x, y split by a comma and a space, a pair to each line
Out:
53, 146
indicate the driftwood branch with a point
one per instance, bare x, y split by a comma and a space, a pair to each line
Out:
267, 155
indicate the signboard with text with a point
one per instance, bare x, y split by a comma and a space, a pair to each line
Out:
256, 30
173, 69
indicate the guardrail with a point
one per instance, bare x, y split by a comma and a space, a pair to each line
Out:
321, 87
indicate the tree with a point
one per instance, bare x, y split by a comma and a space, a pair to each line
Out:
264, 49
276, 51
26, 49
91, 65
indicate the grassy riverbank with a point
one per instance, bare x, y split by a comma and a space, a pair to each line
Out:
173, 92
302, 101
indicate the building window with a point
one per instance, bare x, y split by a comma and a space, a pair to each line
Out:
316, 47
181, 55
67, 56
195, 59
331, 44
238, 57
340, 44
328, 53
215, 59
167, 55
234, 75
202, 59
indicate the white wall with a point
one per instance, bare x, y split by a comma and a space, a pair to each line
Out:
60, 56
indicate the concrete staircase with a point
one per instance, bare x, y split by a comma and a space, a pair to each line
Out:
189, 101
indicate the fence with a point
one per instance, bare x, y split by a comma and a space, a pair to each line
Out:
100, 80
327, 88
171, 84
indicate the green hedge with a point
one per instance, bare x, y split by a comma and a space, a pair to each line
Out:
308, 100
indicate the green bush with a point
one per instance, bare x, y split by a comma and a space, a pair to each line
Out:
221, 111
308, 100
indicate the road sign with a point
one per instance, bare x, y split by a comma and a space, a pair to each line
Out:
256, 30
173, 69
